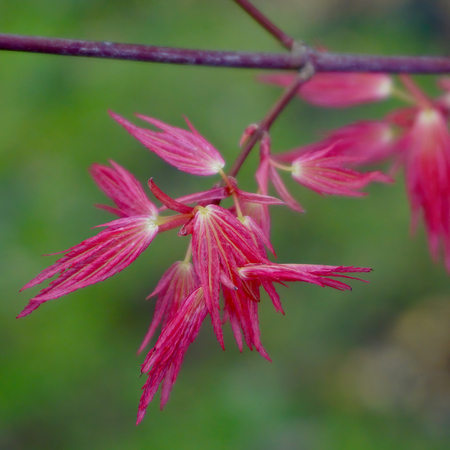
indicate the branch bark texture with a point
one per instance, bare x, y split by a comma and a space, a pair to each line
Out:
321, 61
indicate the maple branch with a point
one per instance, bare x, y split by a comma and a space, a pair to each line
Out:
278, 34
304, 75
149, 53
322, 61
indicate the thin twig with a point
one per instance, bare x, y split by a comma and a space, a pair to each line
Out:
270, 117
266, 23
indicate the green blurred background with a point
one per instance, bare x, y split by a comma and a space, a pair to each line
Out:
368, 369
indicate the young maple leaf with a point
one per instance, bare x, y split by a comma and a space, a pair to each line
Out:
173, 288
164, 360
325, 171
368, 142
220, 244
338, 89
186, 150
113, 249
426, 154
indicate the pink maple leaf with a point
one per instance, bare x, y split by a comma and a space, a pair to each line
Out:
164, 360
426, 152
113, 249
186, 150
338, 89
175, 285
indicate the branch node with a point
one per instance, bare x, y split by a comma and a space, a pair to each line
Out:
307, 71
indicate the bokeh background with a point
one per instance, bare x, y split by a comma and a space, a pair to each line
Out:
368, 369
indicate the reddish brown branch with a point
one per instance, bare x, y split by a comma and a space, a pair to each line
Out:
148, 53
278, 34
322, 62
270, 117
